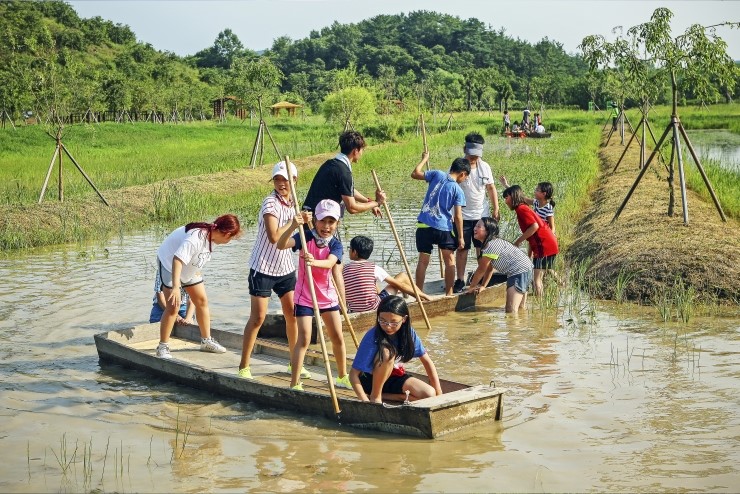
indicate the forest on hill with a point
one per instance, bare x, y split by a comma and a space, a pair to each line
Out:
54, 63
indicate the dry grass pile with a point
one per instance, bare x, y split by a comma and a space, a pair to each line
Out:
646, 246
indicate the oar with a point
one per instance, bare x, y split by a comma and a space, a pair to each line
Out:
316, 313
343, 306
426, 150
403, 255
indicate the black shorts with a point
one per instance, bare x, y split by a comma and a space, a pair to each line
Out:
262, 285
394, 384
544, 262
303, 311
468, 226
428, 237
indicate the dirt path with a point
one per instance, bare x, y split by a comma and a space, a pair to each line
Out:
647, 243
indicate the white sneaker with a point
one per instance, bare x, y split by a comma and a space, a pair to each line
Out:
212, 346
163, 351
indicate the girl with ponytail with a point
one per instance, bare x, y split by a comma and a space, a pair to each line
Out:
180, 258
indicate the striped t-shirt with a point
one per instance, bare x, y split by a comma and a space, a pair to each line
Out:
361, 280
507, 258
544, 211
266, 257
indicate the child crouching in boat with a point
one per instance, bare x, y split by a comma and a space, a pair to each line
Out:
377, 371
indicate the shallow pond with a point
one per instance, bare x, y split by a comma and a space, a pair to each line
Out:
600, 397
720, 146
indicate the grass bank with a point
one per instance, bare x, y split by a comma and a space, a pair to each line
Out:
647, 255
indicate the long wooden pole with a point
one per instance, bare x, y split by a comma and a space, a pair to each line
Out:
343, 307
426, 150
403, 255
316, 313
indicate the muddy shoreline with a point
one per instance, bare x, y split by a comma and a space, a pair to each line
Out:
650, 249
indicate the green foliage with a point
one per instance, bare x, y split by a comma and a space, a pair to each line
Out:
353, 104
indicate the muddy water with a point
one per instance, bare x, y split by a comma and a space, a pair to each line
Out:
721, 146
605, 399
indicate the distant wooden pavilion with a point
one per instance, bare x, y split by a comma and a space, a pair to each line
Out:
219, 107
290, 107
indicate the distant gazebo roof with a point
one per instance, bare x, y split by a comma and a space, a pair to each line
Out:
284, 105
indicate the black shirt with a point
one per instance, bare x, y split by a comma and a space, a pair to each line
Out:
332, 181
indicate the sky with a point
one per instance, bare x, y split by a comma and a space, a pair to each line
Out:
186, 27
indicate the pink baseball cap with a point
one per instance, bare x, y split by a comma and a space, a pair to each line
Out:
327, 207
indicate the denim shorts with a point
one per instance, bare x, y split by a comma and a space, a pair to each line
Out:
520, 281
166, 278
303, 311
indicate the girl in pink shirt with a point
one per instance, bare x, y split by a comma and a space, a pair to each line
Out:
323, 254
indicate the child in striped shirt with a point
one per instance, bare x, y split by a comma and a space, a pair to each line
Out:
504, 257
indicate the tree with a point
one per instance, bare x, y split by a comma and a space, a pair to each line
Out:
351, 104
697, 59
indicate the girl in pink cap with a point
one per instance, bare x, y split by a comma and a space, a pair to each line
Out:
323, 255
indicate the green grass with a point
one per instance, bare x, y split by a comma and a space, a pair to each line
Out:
116, 156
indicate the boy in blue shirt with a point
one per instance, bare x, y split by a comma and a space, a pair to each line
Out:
442, 205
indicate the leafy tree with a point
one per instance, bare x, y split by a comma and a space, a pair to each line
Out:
254, 79
225, 50
354, 104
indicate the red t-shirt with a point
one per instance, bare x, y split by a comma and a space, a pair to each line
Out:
543, 243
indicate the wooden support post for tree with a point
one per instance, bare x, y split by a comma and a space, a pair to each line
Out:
4, 115
675, 128
58, 154
259, 142
644, 124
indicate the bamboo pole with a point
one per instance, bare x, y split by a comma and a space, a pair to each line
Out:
84, 174
403, 256
316, 313
426, 150
343, 307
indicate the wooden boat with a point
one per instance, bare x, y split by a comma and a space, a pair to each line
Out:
459, 406
274, 325
522, 134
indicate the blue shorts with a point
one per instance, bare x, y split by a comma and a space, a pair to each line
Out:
544, 262
394, 384
303, 311
262, 285
520, 281
428, 237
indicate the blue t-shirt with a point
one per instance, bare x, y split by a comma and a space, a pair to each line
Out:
443, 194
368, 348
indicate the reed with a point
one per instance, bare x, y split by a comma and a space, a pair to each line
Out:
621, 284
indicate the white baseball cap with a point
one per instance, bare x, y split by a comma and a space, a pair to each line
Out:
282, 170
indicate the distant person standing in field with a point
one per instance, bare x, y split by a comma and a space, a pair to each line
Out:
334, 179
615, 115
525, 119
476, 186
507, 121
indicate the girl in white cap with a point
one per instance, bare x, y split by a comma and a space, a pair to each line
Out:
324, 254
272, 269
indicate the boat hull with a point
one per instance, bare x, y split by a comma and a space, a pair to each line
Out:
459, 406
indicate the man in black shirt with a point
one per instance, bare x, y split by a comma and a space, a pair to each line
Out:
334, 180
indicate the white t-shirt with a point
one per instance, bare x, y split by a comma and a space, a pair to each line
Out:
191, 248
540, 129
476, 203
